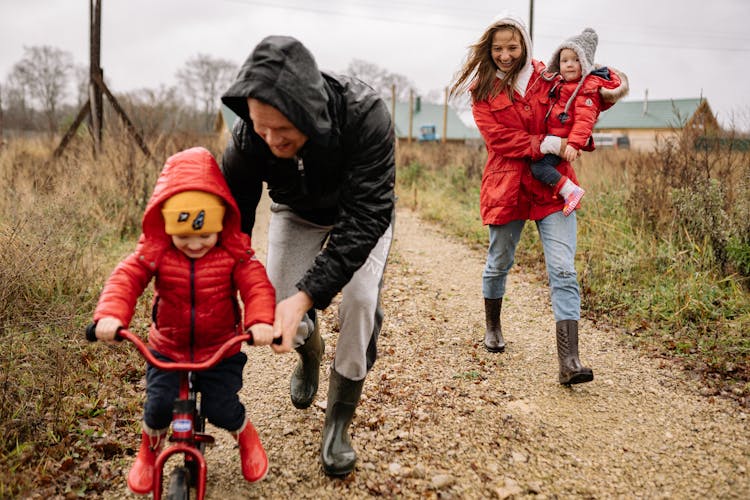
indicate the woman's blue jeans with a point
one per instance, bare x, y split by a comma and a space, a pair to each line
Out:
558, 235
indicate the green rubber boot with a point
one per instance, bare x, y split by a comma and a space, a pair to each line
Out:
336, 452
303, 385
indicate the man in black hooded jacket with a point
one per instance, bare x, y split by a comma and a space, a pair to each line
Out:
324, 145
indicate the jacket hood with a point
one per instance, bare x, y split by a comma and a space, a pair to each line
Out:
283, 73
194, 169
513, 20
618, 90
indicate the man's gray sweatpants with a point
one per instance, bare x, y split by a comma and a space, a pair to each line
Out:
293, 244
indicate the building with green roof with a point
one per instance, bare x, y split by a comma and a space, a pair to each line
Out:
644, 122
437, 119
425, 114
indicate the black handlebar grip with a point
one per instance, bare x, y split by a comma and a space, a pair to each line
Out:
251, 341
91, 332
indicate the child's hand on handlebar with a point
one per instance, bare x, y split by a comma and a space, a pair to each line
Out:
106, 328
262, 334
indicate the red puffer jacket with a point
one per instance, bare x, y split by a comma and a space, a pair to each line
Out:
195, 307
513, 132
584, 110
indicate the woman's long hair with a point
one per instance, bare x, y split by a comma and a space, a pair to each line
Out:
479, 73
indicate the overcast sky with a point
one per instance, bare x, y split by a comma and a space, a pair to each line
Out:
672, 48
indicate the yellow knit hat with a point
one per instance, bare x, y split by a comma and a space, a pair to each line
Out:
193, 212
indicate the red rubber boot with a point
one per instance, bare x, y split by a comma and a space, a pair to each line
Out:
252, 455
141, 475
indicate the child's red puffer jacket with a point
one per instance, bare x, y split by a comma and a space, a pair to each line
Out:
195, 308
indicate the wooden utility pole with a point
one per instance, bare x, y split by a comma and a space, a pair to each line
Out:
97, 88
96, 115
393, 103
445, 118
531, 20
411, 114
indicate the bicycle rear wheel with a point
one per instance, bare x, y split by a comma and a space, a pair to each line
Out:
179, 484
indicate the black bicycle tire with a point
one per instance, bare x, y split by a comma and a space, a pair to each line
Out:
179, 484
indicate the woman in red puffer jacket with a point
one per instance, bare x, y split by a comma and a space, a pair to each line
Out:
510, 99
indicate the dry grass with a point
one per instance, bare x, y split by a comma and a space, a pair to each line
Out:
65, 224
440, 179
664, 244
664, 251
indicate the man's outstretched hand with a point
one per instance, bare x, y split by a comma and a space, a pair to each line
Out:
289, 313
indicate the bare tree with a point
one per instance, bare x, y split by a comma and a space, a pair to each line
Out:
44, 72
204, 78
380, 79
18, 113
81, 82
157, 111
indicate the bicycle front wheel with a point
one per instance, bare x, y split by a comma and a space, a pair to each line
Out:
179, 484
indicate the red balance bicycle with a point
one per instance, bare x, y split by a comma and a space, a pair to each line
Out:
188, 422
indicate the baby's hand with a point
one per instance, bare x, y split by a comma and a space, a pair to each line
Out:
571, 153
262, 334
106, 328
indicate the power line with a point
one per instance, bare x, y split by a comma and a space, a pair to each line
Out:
467, 28
629, 43
350, 14
660, 30
379, 5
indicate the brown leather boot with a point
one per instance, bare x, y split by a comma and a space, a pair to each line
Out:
141, 475
571, 370
493, 335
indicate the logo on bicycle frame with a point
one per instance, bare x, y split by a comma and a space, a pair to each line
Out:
182, 425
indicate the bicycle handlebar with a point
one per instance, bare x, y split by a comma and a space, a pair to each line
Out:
172, 366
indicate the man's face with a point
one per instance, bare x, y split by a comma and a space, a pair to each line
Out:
284, 139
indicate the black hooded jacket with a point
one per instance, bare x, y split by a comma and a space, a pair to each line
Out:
344, 174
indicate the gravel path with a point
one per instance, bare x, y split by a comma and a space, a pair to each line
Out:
441, 417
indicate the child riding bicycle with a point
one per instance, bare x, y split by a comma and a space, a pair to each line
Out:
191, 244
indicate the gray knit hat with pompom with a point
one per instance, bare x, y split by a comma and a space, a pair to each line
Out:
584, 45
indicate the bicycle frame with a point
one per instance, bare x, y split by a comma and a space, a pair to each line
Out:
184, 438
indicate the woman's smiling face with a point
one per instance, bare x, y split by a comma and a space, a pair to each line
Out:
507, 49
